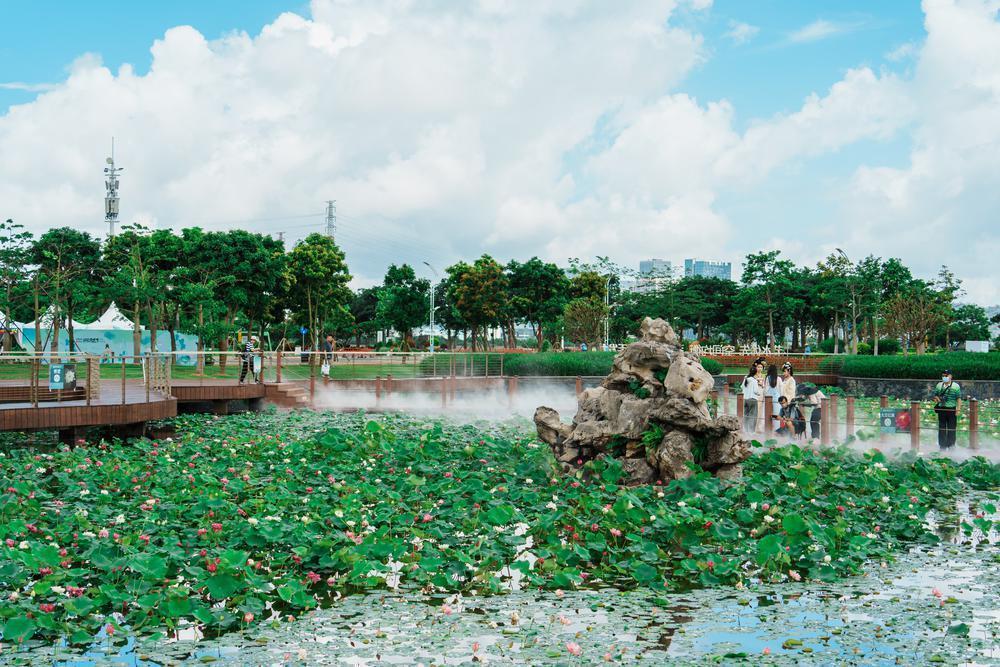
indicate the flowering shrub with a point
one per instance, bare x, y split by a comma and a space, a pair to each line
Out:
246, 517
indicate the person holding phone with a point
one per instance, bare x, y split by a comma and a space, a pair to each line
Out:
947, 398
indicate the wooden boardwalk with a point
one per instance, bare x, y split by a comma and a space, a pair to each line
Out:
115, 407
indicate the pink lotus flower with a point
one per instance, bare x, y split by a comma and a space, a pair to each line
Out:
248, 617
766, 651
448, 474
594, 527
795, 575
475, 647
144, 538
216, 527
616, 532
766, 506
936, 593
427, 518
574, 648
446, 610
313, 577
212, 567
47, 607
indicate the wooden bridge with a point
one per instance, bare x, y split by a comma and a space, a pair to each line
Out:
126, 407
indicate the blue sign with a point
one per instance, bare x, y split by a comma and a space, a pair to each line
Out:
303, 331
62, 376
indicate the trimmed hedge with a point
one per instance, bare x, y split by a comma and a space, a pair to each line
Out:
964, 365
571, 364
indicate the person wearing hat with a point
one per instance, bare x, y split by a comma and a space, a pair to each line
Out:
247, 357
947, 397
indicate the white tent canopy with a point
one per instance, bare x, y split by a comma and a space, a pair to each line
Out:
111, 319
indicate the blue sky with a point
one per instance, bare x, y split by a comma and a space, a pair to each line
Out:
446, 129
770, 74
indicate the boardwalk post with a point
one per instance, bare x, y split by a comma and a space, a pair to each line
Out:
915, 425
444, 392
388, 384
768, 414
148, 377
277, 367
883, 402
34, 381
579, 385
511, 391
123, 380
312, 378
725, 397
832, 416
90, 385
974, 423
715, 399
850, 418
501, 364
824, 424
739, 406
378, 390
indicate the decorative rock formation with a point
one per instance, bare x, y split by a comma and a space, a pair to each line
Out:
651, 413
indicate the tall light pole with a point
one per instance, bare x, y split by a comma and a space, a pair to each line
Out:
432, 305
607, 306
111, 197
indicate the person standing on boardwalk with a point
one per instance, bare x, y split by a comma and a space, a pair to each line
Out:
773, 388
947, 397
751, 392
246, 355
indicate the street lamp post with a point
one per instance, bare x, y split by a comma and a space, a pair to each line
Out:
607, 314
432, 306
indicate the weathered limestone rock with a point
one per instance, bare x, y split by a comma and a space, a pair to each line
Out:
653, 384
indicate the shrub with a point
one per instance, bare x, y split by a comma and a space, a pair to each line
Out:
826, 345
563, 364
864, 348
965, 366
889, 346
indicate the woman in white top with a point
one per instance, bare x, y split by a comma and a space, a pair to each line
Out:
788, 382
751, 394
772, 388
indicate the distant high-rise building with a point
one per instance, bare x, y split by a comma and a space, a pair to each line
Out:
652, 272
654, 267
699, 267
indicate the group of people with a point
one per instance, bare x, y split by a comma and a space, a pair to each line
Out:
789, 401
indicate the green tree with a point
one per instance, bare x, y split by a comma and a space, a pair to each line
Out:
949, 289
583, 320
969, 322
66, 260
538, 292
478, 292
914, 313
364, 309
15, 255
768, 278
319, 277
403, 301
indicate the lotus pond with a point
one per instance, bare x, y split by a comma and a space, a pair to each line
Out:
311, 537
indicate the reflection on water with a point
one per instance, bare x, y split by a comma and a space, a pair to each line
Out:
938, 603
